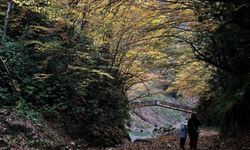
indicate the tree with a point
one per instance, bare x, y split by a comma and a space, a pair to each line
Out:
57, 72
224, 43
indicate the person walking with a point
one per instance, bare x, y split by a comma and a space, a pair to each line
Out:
182, 135
193, 124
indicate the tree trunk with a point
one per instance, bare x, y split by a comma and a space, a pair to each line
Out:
9, 76
9, 5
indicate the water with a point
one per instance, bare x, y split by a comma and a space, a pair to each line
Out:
140, 135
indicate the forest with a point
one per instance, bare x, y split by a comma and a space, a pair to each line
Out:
68, 66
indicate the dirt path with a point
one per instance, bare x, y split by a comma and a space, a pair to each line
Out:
171, 142
208, 140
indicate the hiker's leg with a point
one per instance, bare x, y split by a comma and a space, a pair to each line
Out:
195, 144
182, 143
192, 144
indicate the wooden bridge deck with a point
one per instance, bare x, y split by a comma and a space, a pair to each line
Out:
163, 104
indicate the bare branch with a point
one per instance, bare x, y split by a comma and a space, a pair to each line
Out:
9, 76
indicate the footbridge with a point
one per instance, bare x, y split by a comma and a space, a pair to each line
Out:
174, 106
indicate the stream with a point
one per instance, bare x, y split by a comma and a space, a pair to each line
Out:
140, 135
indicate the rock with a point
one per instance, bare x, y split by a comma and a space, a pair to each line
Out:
169, 146
142, 140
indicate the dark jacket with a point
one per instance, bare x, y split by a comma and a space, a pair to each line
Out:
193, 125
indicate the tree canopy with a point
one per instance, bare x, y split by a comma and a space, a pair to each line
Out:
77, 59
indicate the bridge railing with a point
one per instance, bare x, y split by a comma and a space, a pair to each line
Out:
161, 104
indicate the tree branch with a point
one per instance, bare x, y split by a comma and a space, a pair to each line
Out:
9, 5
